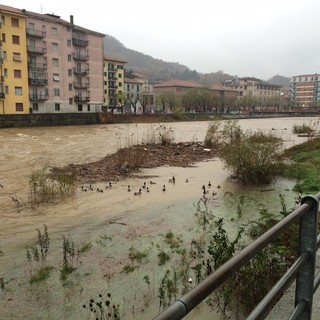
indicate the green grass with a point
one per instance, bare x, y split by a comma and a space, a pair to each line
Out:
85, 247
305, 167
41, 275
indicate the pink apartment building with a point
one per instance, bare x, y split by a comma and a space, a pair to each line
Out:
65, 65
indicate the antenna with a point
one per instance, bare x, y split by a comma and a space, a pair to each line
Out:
41, 8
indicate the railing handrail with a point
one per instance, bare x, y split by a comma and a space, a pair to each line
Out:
196, 295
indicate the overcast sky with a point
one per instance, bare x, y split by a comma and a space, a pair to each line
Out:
260, 38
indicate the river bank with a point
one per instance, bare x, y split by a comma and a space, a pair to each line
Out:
66, 119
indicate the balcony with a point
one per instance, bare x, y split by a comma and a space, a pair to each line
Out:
37, 66
112, 69
35, 33
38, 81
80, 42
81, 86
81, 99
38, 97
111, 79
80, 57
80, 72
2, 95
37, 50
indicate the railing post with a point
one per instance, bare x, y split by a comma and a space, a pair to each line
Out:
307, 243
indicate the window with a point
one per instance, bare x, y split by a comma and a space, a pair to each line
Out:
55, 62
128, 87
56, 77
35, 107
54, 31
3, 37
17, 73
16, 56
5, 72
68, 29
70, 86
56, 92
70, 100
18, 91
88, 107
70, 72
3, 20
69, 57
15, 39
6, 90
57, 107
80, 107
120, 84
69, 43
54, 46
19, 106
14, 22
119, 75
138, 88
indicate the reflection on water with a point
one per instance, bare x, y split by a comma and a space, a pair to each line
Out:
86, 218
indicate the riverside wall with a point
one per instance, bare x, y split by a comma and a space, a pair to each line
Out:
65, 119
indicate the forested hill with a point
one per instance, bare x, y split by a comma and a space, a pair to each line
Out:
280, 80
153, 69
159, 70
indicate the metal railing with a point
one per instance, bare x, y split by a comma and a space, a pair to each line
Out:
303, 269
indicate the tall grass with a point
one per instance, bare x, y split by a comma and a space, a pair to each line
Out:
48, 187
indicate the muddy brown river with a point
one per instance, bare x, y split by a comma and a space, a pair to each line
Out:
109, 222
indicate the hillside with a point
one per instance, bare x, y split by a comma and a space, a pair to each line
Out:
280, 80
153, 69
159, 70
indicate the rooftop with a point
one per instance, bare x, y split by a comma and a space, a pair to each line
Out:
178, 83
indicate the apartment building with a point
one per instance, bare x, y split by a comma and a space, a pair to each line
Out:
133, 94
14, 94
249, 86
305, 90
113, 82
65, 64
176, 86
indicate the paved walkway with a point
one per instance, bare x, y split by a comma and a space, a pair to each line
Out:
285, 306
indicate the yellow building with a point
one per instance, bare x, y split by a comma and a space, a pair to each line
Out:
14, 92
113, 83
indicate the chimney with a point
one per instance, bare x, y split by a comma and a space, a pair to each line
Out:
71, 19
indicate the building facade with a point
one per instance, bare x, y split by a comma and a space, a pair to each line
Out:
133, 94
305, 90
249, 86
113, 83
176, 86
14, 94
48, 65
65, 65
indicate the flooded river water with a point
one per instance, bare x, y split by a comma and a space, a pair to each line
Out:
85, 218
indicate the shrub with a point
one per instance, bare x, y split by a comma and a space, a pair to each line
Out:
46, 187
232, 130
302, 129
131, 158
166, 134
213, 135
254, 158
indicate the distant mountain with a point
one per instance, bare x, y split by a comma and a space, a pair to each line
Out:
159, 70
153, 69
280, 81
